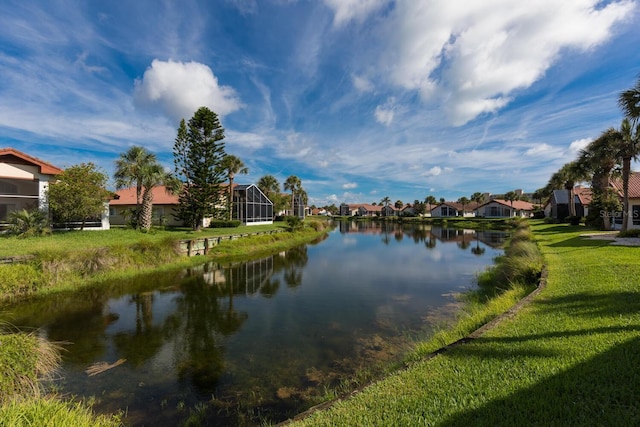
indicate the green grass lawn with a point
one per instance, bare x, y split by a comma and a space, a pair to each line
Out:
74, 240
570, 357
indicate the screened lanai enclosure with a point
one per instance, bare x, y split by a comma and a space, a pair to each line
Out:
251, 206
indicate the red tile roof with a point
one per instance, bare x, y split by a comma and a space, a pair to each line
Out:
584, 194
127, 197
11, 155
634, 185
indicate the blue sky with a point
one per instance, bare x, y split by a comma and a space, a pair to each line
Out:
361, 99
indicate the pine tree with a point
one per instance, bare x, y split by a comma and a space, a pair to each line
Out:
198, 152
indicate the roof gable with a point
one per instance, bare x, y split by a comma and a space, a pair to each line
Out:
13, 156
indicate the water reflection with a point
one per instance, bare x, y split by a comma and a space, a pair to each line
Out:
264, 336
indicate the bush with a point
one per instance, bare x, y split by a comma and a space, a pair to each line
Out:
294, 223
27, 223
629, 233
223, 223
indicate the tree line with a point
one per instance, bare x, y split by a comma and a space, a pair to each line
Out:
201, 167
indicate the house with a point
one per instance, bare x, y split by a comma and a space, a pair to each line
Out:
634, 200
389, 210
558, 205
408, 210
24, 181
449, 209
349, 209
369, 210
251, 206
499, 208
164, 206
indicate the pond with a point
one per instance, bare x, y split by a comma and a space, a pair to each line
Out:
259, 341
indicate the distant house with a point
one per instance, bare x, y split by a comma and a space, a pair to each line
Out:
389, 210
408, 210
449, 209
558, 205
634, 200
498, 208
251, 206
23, 182
369, 210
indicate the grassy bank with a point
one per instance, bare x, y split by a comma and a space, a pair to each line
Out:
569, 357
70, 261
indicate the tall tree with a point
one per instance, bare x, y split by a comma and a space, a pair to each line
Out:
198, 152
130, 170
430, 200
294, 185
566, 177
599, 159
398, 204
79, 194
629, 103
629, 150
154, 176
232, 166
464, 202
269, 185
478, 198
385, 201
511, 196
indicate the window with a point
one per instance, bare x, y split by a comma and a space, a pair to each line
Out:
8, 187
635, 214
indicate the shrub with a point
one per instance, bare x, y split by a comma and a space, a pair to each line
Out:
27, 223
294, 223
629, 233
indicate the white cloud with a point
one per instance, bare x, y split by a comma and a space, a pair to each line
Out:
178, 89
576, 146
358, 10
384, 113
475, 55
434, 171
544, 151
349, 186
362, 84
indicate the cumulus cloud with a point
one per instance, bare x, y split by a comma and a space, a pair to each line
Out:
357, 10
577, 145
178, 89
349, 186
475, 55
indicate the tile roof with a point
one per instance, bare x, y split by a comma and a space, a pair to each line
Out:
468, 207
634, 185
127, 197
517, 204
10, 155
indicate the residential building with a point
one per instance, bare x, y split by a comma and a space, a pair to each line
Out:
499, 208
24, 181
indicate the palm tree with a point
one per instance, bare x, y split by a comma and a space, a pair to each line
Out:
130, 170
464, 202
154, 176
478, 198
629, 103
511, 196
269, 185
386, 200
599, 159
293, 184
629, 150
232, 166
566, 178
430, 200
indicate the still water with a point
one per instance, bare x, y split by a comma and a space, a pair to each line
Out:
259, 341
